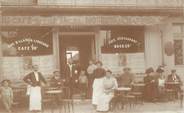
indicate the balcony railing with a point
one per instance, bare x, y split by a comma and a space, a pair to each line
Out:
93, 3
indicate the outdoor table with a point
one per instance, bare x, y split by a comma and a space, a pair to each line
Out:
54, 94
172, 85
122, 90
139, 85
175, 87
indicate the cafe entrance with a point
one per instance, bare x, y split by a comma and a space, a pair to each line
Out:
76, 46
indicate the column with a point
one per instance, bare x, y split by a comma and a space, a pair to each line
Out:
153, 47
56, 57
1, 70
99, 37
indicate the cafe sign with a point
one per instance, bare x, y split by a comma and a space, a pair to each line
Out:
123, 44
27, 46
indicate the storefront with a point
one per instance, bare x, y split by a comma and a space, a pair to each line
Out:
138, 41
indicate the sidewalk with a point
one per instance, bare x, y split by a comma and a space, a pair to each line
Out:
85, 106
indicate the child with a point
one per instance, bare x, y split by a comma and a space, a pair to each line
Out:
83, 83
6, 95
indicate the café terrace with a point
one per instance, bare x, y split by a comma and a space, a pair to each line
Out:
120, 33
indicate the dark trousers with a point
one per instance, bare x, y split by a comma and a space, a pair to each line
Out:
90, 85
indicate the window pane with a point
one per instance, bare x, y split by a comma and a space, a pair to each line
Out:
178, 50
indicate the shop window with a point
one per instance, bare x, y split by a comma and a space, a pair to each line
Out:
178, 30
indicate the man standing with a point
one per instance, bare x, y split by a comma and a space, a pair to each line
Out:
35, 80
72, 72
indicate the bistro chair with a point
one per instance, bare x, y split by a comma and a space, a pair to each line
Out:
130, 101
67, 102
137, 91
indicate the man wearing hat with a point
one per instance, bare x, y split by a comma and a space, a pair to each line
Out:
127, 78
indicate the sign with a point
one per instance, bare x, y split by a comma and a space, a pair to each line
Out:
27, 42
124, 40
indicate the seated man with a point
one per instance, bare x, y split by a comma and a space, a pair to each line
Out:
56, 80
127, 78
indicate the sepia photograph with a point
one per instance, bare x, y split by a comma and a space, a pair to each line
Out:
91, 56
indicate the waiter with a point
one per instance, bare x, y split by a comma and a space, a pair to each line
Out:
35, 80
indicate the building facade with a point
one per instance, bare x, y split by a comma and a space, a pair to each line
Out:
134, 33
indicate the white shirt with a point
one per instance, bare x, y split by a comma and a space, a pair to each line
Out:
36, 76
91, 68
70, 66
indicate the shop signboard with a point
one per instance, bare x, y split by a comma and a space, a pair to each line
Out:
125, 41
27, 42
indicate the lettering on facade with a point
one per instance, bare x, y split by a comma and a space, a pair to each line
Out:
120, 44
27, 45
124, 40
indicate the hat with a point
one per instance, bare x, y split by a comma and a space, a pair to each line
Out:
160, 70
109, 71
57, 70
173, 70
6, 80
149, 70
126, 68
99, 62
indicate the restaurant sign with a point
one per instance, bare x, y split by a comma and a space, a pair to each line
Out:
121, 44
27, 46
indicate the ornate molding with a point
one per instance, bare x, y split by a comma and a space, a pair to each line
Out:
80, 20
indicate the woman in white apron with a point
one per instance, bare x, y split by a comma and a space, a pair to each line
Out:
98, 83
34, 81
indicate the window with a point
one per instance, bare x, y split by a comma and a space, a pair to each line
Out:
178, 30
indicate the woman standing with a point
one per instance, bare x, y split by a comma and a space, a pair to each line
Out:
150, 89
98, 83
109, 85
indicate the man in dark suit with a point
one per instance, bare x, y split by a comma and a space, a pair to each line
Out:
71, 73
34, 80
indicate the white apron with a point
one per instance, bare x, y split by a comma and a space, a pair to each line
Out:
35, 98
97, 90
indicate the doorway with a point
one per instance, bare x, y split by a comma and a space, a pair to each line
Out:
77, 47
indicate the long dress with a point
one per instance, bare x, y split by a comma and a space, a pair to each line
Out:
97, 90
109, 84
99, 74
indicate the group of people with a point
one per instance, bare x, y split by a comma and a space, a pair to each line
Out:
157, 83
94, 82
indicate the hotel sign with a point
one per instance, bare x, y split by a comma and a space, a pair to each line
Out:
27, 46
